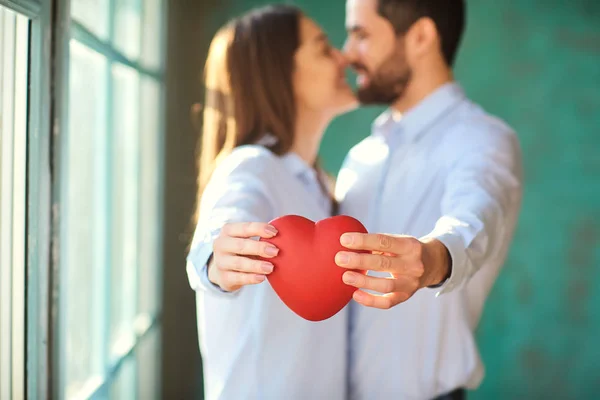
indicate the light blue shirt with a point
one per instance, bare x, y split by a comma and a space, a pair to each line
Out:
252, 345
445, 170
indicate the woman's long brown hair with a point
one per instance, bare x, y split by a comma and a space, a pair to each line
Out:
248, 83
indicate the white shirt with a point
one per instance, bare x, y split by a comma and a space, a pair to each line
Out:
252, 345
448, 170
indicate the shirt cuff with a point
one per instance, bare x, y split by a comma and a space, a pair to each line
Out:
197, 267
458, 256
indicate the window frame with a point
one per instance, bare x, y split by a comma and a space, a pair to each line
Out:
66, 29
50, 31
37, 203
13, 181
29, 8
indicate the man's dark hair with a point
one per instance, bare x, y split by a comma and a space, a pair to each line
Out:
448, 15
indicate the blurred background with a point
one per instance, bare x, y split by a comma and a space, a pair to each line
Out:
98, 179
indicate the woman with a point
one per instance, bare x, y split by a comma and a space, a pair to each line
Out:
273, 84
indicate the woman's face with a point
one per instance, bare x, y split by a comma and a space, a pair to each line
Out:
319, 73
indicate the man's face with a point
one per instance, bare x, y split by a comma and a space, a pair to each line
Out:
376, 53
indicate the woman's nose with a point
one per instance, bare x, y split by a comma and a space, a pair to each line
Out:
349, 50
341, 59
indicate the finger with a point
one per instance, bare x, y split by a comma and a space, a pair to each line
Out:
367, 262
249, 229
234, 280
397, 265
244, 264
360, 281
381, 285
383, 302
246, 247
379, 242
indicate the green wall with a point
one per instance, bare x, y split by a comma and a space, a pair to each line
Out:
536, 64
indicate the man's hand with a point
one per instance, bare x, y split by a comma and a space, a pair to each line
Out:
413, 265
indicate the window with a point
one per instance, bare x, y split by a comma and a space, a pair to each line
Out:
111, 190
80, 198
14, 48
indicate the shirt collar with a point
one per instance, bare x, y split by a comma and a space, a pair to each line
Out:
292, 161
296, 165
416, 120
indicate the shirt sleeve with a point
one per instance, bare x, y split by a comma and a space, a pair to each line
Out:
480, 204
233, 195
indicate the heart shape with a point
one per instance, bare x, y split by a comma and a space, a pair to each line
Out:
306, 277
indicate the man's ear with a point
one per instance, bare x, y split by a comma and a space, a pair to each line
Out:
421, 39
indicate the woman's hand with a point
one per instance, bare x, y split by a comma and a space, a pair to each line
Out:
232, 265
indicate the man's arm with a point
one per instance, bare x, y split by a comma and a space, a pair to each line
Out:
479, 208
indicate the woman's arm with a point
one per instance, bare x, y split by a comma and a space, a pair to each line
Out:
234, 210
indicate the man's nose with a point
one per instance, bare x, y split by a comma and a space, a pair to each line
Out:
346, 46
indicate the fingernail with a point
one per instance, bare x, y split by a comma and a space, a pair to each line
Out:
346, 239
271, 251
266, 267
259, 278
271, 230
349, 278
342, 259
358, 295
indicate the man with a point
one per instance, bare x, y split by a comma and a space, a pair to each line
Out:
444, 174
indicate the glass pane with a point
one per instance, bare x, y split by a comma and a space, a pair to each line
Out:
152, 40
125, 178
93, 14
7, 27
83, 239
124, 384
14, 35
148, 360
128, 15
150, 208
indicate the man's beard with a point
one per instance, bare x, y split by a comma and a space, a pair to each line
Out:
387, 84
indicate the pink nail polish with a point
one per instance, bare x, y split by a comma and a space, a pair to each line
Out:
271, 251
271, 230
267, 268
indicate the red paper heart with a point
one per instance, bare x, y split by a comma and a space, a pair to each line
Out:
306, 277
